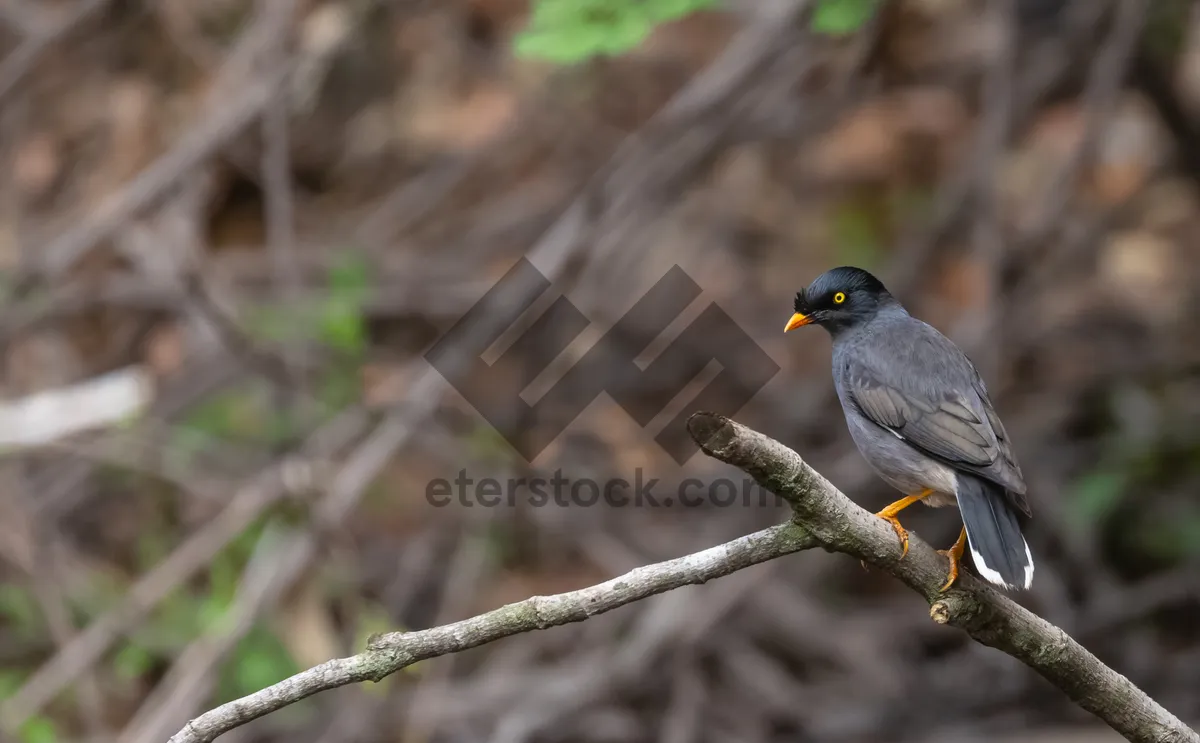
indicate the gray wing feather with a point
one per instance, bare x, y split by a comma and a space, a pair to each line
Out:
935, 400
939, 427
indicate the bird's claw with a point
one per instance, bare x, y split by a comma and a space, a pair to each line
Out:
954, 554
953, 569
900, 531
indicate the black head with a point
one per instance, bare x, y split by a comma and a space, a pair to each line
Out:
839, 299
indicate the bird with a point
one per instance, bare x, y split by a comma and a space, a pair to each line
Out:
920, 415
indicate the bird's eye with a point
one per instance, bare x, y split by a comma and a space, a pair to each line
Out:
839, 298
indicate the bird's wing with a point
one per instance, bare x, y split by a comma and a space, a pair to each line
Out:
933, 398
1006, 460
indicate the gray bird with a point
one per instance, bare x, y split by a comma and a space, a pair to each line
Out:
920, 415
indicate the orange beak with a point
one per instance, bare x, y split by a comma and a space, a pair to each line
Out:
796, 321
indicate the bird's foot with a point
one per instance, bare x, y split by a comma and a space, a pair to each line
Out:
953, 570
889, 515
900, 530
955, 554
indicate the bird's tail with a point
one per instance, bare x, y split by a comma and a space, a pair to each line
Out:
993, 533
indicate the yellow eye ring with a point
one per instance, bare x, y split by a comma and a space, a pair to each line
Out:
839, 298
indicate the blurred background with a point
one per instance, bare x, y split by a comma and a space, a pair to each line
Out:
229, 231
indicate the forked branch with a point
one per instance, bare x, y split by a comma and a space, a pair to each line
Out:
824, 517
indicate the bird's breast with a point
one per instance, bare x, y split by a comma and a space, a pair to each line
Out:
899, 464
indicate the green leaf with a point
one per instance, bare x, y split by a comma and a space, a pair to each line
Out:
629, 32
856, 235
132, 662
572, 31
177, 621
556, 13
99, 592
259, 660
1171, 539
38, 730
223, 415
277, 324
152, 546
839, 17
669, 10
10, 681
342, 327
350, 278
183, 445
19, 606
554, 46
1095, 496
223, 577
339, 388
1188, 535
282, 426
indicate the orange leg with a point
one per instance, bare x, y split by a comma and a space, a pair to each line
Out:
889, 515
955, 554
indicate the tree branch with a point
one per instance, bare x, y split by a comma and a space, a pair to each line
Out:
390, 652
824, 517
986, 615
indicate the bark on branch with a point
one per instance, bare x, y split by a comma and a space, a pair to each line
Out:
824, 517
988, 616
